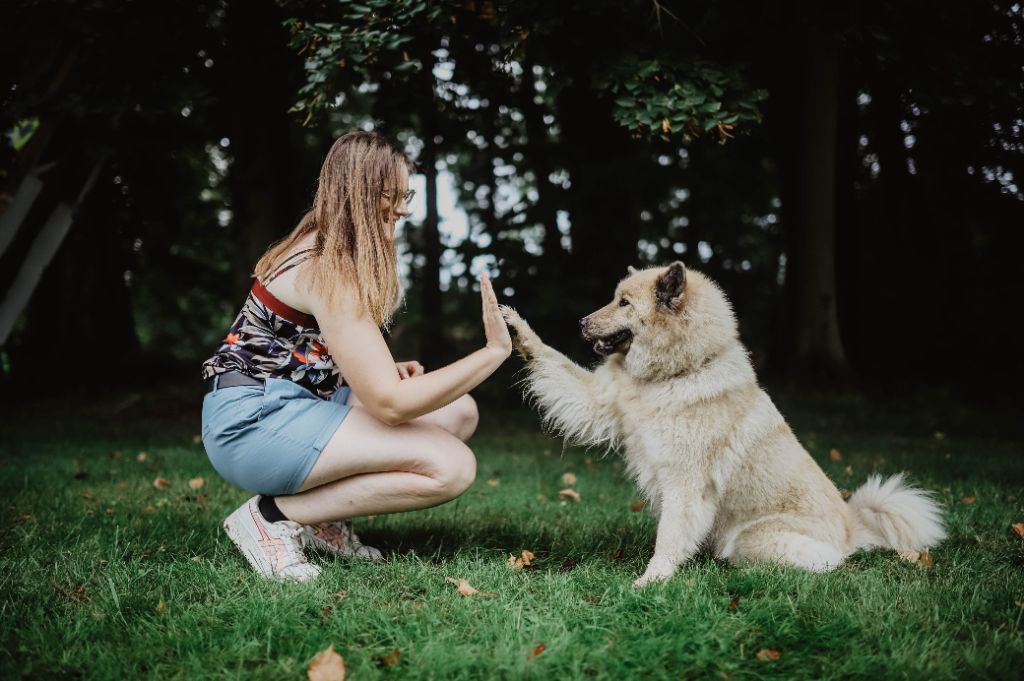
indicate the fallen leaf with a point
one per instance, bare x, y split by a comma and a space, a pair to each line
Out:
524, 560
25, 518
81, 475
909, 556
326, 613
463, 587
1019, 529
388, 660
161, 483
326, 666
536, 651
161, 607
734, 603
339, 596
568, 495
110, 511
835, 455
768, 654
196, 483
142, 456
568, 478
638, 505
666, 126
494, 482
197, 559
926, 559
617, 554
203, 501
848, 470
148, 510
970, 499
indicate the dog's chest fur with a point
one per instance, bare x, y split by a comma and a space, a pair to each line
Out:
687, 428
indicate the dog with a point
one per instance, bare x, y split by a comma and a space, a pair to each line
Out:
717, 462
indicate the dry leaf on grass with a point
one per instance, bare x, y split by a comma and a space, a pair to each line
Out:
326, 613
141, 456
463, 587
568, 478
494, 482
734, 603
617, 554
536, 651
388, 660
148, 510
835, 455
196, 483
568, 495
638, 505
768, 654
922, 558
161, 483
524, 560
326, 666
25, 518
1019, 529
970, 499
161, 607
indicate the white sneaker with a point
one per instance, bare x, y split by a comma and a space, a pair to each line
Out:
273, 549
339, 538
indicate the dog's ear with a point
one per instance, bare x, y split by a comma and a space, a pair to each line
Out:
670, 285
631, 270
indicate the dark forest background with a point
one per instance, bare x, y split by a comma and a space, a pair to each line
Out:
851, 177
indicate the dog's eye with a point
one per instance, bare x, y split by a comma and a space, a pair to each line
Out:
623, 302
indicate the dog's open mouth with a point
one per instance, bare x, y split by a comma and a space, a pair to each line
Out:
616, 342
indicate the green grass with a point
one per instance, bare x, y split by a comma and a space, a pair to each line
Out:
82, 579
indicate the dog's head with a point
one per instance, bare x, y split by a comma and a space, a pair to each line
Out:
663, 321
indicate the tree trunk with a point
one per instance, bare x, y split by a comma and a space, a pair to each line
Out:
811, 216
432, 336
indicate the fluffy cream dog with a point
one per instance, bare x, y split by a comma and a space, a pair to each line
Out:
707, 447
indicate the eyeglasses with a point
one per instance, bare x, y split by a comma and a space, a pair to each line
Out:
406, 197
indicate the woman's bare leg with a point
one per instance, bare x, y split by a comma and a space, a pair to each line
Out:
370, 467
459, 418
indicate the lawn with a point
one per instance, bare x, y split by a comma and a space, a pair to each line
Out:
105, 576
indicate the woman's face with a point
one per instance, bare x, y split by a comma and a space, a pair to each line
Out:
397, 207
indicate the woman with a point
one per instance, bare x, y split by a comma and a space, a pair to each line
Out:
276, 418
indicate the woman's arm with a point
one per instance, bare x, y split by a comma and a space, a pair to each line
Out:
358, 347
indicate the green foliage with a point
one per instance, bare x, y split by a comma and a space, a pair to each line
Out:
661, 98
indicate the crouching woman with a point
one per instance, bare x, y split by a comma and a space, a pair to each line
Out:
305, 405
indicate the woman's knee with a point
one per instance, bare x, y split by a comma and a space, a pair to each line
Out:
453, 468
466, 416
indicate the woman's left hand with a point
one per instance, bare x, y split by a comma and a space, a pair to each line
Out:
409, 369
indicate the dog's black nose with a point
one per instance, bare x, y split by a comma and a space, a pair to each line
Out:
584, 322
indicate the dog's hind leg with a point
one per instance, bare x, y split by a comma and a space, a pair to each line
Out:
777, 542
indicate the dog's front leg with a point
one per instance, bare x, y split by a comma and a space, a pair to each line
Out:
684, 521
568, 395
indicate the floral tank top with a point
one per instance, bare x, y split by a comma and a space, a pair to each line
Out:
270, 339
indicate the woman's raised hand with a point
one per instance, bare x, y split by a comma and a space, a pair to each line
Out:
494, 324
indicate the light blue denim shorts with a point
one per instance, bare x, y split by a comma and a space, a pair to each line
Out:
266, 438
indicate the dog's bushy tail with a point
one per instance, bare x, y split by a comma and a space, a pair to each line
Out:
894, 515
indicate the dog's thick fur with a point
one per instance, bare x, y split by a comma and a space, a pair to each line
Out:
707, 447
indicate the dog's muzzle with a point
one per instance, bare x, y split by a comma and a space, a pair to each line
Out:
612, 343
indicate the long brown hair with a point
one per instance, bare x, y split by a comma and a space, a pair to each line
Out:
360, 182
